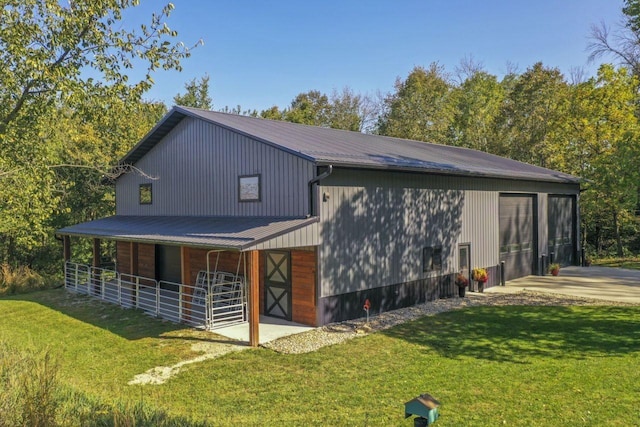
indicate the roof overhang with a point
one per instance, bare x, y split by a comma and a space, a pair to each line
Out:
230, 233
559, 177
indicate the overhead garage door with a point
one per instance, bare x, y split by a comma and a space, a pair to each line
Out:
561, 217
517, 235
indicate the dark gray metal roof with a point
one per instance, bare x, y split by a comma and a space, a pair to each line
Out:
236, 233
326, 146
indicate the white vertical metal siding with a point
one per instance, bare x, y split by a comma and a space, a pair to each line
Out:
197, 166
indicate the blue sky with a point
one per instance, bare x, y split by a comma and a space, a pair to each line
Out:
264, 53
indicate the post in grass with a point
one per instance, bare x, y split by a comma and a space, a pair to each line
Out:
367, 306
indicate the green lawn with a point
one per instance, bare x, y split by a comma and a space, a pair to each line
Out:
487, 365
633, 263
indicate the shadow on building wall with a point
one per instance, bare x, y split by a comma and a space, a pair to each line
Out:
373, 248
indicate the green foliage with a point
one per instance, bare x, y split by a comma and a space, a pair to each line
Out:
310, 108
342, 110
31, 394
28, 382
346, 110
80, 409
531, 119
602, 146
46, 46
68, 112
196, 95
19, 280
630, 262
273, 113
632, 12
420, 108
477, 103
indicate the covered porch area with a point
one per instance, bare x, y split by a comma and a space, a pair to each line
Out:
271, 328
232, 275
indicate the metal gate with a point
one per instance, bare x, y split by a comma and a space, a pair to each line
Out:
224, 297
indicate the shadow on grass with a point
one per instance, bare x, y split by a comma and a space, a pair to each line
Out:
130, 324
516, 333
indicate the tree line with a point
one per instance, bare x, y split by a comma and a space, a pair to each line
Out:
68, 112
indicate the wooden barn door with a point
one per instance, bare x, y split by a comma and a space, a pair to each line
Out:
277, 284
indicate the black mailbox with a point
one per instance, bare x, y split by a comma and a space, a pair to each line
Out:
425, 407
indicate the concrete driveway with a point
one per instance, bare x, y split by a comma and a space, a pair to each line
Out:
612, 284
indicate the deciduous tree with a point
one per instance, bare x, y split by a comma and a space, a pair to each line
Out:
533, 115
602, 146
477, 101
56, 58
420, 107
196, 95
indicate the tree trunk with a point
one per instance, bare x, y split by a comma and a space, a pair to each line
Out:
616, 227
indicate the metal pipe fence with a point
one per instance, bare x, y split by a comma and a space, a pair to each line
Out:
211, 305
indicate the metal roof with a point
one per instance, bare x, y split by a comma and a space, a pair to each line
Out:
235, 233
326, 146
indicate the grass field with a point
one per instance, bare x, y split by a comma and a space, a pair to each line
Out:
487, 365
633, 263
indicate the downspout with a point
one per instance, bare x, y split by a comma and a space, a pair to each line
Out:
316, 180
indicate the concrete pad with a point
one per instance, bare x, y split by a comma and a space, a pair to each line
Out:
270, 329
605, 283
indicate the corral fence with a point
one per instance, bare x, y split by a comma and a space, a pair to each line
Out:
218, 299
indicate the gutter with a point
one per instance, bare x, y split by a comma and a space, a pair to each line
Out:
316, 180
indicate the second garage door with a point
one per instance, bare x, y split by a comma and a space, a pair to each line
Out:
517, 235
561, 228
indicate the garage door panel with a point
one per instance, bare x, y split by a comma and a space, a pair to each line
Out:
517, 264
561, 228
517, 235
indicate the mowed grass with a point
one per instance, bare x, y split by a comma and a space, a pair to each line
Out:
487, 365
632, 263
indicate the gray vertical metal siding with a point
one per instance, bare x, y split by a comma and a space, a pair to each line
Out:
543, 225
197, 166
480, 228
303, 237
374, 225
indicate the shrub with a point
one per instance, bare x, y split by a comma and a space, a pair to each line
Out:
554, 267
30, 395
27, 388
17, 280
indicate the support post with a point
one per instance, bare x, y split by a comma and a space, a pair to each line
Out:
133, 271
133, 259
96, 264
96, 253
254, 299
66, 254
66, 248
185, 289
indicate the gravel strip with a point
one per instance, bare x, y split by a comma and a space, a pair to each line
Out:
339, 332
